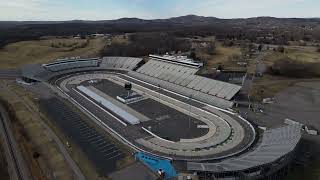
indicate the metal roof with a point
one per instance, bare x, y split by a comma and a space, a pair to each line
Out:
276, 143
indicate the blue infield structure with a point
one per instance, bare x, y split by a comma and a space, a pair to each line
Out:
156, 164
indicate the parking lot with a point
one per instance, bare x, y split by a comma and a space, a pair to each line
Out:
102, 152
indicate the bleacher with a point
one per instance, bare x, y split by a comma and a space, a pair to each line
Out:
275, 144
117, 63
62, 65
124, 63
181, 78
183, 90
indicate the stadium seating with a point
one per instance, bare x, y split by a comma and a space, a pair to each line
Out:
275, 144
71, 64
184, 75
181, 78
124, 63
207, 98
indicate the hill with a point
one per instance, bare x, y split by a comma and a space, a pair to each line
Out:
190, 25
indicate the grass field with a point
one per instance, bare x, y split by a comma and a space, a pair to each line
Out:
120, 39
302, 54
43, 51
268, 86
223, 55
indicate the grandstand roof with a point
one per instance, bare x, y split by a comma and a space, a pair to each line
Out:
276, 143
177, 59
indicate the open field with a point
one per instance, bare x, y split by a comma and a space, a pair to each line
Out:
298, 53
268, 86
121, 39
222, 56
43, 51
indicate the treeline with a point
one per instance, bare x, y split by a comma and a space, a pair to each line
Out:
293, 68
141, 44
236, 29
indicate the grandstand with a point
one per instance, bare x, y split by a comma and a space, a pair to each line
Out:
177, 59
71, 64
181, 78
275, 146
124, 63
59, 67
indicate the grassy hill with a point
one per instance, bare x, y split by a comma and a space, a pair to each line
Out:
26, 52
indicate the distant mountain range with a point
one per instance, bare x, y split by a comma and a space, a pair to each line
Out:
189, 20
269, 29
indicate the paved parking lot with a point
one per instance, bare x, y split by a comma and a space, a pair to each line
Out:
300, 103
137, 171
101, 151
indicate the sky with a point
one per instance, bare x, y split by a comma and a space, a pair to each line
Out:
22, 10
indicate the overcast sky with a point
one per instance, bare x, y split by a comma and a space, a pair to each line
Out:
149, 9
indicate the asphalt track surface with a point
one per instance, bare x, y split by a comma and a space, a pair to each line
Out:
131, 133
165, 122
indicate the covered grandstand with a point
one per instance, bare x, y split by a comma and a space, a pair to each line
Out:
45, 72
180, 77
71, 64
127, 63
274, 150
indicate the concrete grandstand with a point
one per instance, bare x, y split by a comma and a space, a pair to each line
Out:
183, 117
